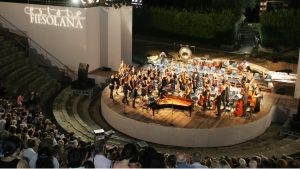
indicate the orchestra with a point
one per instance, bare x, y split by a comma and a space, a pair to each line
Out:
212, 85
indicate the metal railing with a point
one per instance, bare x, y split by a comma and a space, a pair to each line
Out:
33, 44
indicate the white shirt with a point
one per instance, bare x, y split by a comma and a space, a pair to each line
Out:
2, 124
100, 161
29, 153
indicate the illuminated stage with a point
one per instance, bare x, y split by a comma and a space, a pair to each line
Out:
185, 127
175, 127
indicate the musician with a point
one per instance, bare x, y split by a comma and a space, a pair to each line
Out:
125, 91
117, 83
205, 98
218, 104
227, 92
259, 97
245, 100
223, 94
134, 96
112, 86
143, 90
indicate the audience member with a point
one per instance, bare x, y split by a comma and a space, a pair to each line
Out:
196, 161
100, 161
128, 152
181, 161
11, 149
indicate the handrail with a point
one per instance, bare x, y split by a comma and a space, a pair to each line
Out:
59, 64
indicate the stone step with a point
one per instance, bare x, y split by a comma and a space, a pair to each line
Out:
9, 68
10, 59
35, 83
62, 116
23, 85
8, 50
18, 75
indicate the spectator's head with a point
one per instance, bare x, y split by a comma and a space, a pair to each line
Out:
181, 158
128, 151
171, 161
242, 163
45, 158
146, 155
134, 162
11, 146
196, 157
224, 164
76, 157
32, 143
215, 163
157, 161
113, 154
258, 160
252, 164
12, 130
282, 163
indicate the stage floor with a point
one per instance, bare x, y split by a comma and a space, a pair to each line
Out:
181, 119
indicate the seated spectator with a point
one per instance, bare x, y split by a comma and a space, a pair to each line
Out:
100, 161
44, 157
128, 152
224, 164
252, 164
181, 161
196, 161
171, 161
11, 149
31, 151
282, 163
134, 162
20, 100
242, 163
76, 158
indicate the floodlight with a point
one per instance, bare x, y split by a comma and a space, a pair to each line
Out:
75, 2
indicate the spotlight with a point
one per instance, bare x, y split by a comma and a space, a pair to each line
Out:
75, 2
90, 1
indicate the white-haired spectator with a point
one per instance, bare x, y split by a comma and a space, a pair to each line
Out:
252, 164
242, 163
182, 161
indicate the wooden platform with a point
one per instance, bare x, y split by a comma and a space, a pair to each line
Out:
179, 118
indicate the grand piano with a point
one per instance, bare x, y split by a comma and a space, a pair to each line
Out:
170, 101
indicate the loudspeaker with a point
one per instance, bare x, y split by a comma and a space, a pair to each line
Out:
83, 71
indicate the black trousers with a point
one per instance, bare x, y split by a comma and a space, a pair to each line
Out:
111, 94
125, 99
133, 102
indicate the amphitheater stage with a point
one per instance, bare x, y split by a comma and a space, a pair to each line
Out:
176, 128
